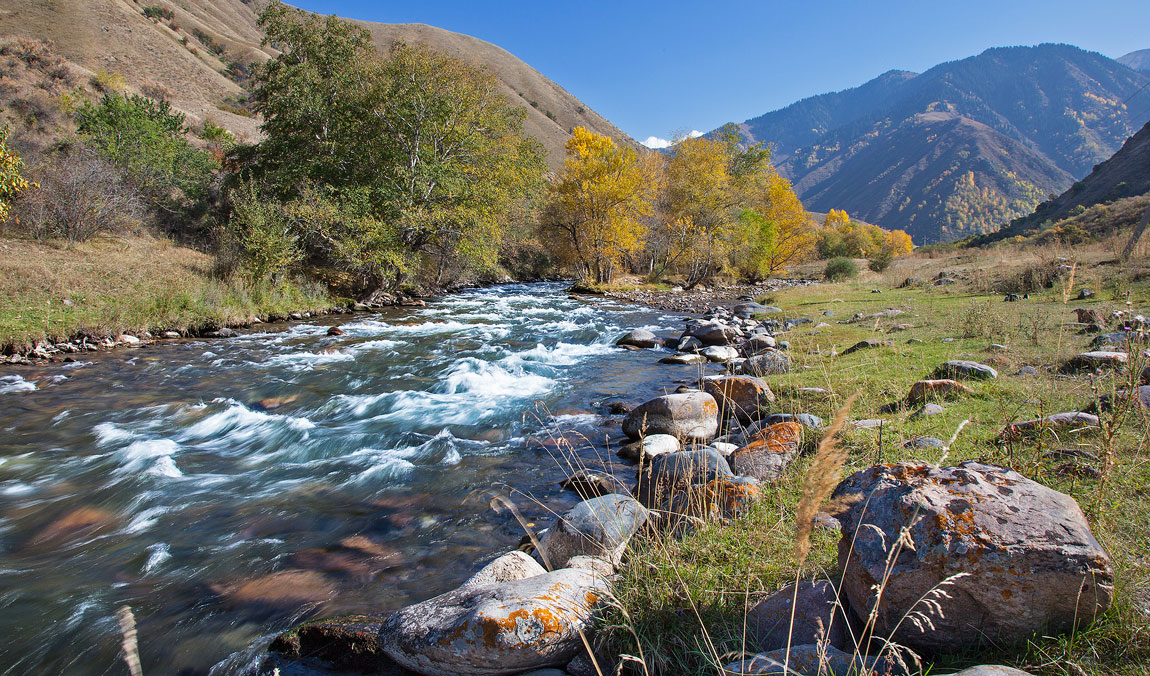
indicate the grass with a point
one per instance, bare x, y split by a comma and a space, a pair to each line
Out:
129, 284
682, 602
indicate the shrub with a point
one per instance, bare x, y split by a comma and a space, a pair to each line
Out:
881, 261
78, 195
260, 235
12, 181
107, 82
158, 12
208, 41
840, 268
156, 91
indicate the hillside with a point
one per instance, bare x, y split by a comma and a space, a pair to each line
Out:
203, 77
1139, 60
961, 148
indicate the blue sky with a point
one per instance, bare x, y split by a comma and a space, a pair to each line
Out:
665, 68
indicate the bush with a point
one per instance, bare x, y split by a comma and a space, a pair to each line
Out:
78, 195
107, 82
12, 181
260, 235
157, 12
881, 261
840, 268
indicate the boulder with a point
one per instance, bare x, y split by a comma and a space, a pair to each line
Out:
349, 642
818, 616
812, 660
714, 333
926, 390
961, 369
720, 353
640, 338
997, 557
724, 498
494, 629
684, 358
1059, 422
599, 527
689, 344
677, 472
514, 565
805, 419
1097, 359
766, 364
769, 452
867, 344
758, 345
587, 484
691, 415
648, 447
742, 397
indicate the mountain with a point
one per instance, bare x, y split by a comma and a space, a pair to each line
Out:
1125, 175
1139, 60
199, 56
962, 148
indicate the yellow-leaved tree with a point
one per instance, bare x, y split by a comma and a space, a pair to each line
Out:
12, 181
599, 203
777, 231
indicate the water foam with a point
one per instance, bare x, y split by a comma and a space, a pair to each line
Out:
16, 384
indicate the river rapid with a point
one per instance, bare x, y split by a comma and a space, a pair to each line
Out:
228, 489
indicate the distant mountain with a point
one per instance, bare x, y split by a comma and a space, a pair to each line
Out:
1139, 60
962, 148
1126, 174
189, 54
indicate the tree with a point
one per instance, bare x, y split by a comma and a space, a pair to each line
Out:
12, 180
782, 235
599, 203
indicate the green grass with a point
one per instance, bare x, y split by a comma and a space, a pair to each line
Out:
672, 589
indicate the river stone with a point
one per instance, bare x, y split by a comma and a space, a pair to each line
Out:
743, 397
758, 345
599, 527
689, 344
676, 472
818, 616
1088, 361
648, 447
925, 390
720, 353
492, 630
691, 415
587, 484
714, 333
640, 338
769, 452
805, 419
514, 565
867, 344
766, 364
1059, 422
349, 642
961, 369
1027, 559
812, 660
684, 358
724, 448
722, 499
746, 310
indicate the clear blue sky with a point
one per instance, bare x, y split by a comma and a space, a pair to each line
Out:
657, 68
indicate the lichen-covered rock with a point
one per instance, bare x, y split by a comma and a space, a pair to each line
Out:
742, 397
817, 616
925, 390
495, 629
998, 557
961, 369
648, 447
599, 527
769, 452
676, 472
640, 338
691, 415
771, 363
724, 498
1059, 422
812, 660
867, 344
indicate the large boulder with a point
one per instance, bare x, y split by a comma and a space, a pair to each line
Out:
813, 660
600, 527
714, 333
742, 397
967, 555
491, 629
769, 452
767, 364
720, 353
961, 369
640, 338
757, 345
810, 614
691, 415
1097, 359
677, 472
925, 390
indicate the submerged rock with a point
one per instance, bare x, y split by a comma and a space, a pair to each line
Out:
998, 557
692, 415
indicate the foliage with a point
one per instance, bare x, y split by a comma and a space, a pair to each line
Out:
12, 180
599, 202
107, 81
145, 140
78, 196
415, 152
840, 268
842, 237
158, 12
261, 234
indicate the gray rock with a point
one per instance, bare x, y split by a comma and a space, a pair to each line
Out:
758, 345
818, 616
689, 344
640, 338
714, 333
1108, 339
768, 364
927, 410
649, 446
514, 565
1011, 557
811, 660
677, 472
1085, 293
1058, 422
961, 369
769, 452
684, 358
991, 670
741, 397
720, 353
495, 629
1097, 359
805, 419
599, 527
692, 415
1027, 371
869, 343
868, 424
923, 443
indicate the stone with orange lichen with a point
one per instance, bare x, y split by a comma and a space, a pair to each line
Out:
503, 628
742, 397
769, 452
674, 473
926, 390
997, 556
690, 415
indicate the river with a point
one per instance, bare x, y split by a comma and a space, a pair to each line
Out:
228, 489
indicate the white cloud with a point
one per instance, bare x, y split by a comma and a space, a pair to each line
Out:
656, 143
